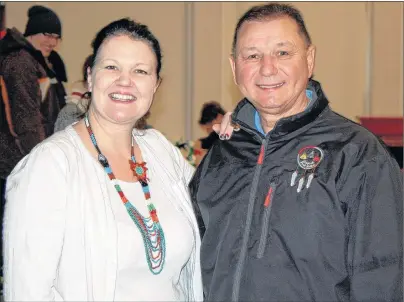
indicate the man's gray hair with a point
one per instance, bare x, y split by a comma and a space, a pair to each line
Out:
272, 11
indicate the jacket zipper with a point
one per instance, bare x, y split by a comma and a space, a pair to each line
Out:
267, 212
247, 229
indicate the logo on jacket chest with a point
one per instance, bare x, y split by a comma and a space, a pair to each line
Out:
308, 159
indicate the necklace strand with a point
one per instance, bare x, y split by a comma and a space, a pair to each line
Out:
149, 227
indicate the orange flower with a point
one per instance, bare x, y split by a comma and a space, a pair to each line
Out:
139, 170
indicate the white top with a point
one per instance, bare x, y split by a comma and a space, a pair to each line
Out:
134, 280
61, 236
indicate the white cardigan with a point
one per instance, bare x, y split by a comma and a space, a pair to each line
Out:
60, 237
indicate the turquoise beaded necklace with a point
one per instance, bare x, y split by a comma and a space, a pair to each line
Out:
149, 227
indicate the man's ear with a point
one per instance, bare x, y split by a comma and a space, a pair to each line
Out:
233, 67
311, 58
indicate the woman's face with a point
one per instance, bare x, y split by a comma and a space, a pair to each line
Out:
123, 80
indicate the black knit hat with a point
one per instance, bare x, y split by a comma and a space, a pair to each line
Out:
42, 20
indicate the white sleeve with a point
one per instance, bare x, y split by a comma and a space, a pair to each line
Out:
34, 222
186, 169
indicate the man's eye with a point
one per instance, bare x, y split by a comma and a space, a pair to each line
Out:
253, 57
283, 53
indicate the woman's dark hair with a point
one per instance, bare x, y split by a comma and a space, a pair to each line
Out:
87, 63
132, 29
210, 111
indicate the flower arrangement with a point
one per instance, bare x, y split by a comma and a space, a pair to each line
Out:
188, 151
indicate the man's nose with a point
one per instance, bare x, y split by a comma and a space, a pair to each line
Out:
53, 42
269, 66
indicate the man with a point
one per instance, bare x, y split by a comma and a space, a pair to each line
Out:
212, 113
301, 204
32, 93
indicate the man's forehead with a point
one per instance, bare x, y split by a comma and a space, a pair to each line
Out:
278, 32
275, 44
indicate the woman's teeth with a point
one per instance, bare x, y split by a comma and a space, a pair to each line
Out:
122, 97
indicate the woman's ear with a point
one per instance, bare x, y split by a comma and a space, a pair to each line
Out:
89, 80
158, 84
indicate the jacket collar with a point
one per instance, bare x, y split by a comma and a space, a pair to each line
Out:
245, 111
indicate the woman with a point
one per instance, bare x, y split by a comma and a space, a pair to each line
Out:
76, 101
100, 211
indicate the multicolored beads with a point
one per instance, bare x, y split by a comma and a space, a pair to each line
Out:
149, 227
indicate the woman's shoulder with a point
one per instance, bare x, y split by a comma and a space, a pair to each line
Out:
154, 138
56, 151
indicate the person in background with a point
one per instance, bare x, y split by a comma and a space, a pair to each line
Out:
301, 204
31, 79
76, 102
211, 113
100, 211
3, 30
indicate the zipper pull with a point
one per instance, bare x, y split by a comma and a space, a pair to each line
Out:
261, 155
269, 197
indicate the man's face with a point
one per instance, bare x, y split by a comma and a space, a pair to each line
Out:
272, 64
45, 42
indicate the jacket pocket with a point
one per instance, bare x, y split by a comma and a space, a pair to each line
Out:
265, 221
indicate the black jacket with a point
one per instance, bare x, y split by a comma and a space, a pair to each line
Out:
31, 98
337, 239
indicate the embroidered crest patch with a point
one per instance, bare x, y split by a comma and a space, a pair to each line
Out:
308, 158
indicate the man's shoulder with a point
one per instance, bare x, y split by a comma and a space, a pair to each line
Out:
356, 137
18, 59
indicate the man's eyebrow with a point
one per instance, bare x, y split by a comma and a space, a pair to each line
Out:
284, 44
249, 48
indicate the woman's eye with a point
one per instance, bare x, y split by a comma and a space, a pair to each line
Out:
140, 71
111, 67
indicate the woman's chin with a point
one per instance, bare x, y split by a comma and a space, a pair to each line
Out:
123, 119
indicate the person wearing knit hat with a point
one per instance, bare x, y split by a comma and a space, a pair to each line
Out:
31, 79
43, 29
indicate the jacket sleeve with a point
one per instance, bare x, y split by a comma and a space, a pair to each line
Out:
193, 191
34, 223
373, 194
24, 93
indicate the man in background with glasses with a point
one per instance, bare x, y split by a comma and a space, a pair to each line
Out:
32, 93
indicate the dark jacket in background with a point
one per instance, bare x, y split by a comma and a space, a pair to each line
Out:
31, 97
208, 141
338, 240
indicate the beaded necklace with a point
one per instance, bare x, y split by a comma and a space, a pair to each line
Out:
149, 227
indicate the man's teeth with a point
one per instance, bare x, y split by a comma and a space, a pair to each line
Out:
122, 97
271, 86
